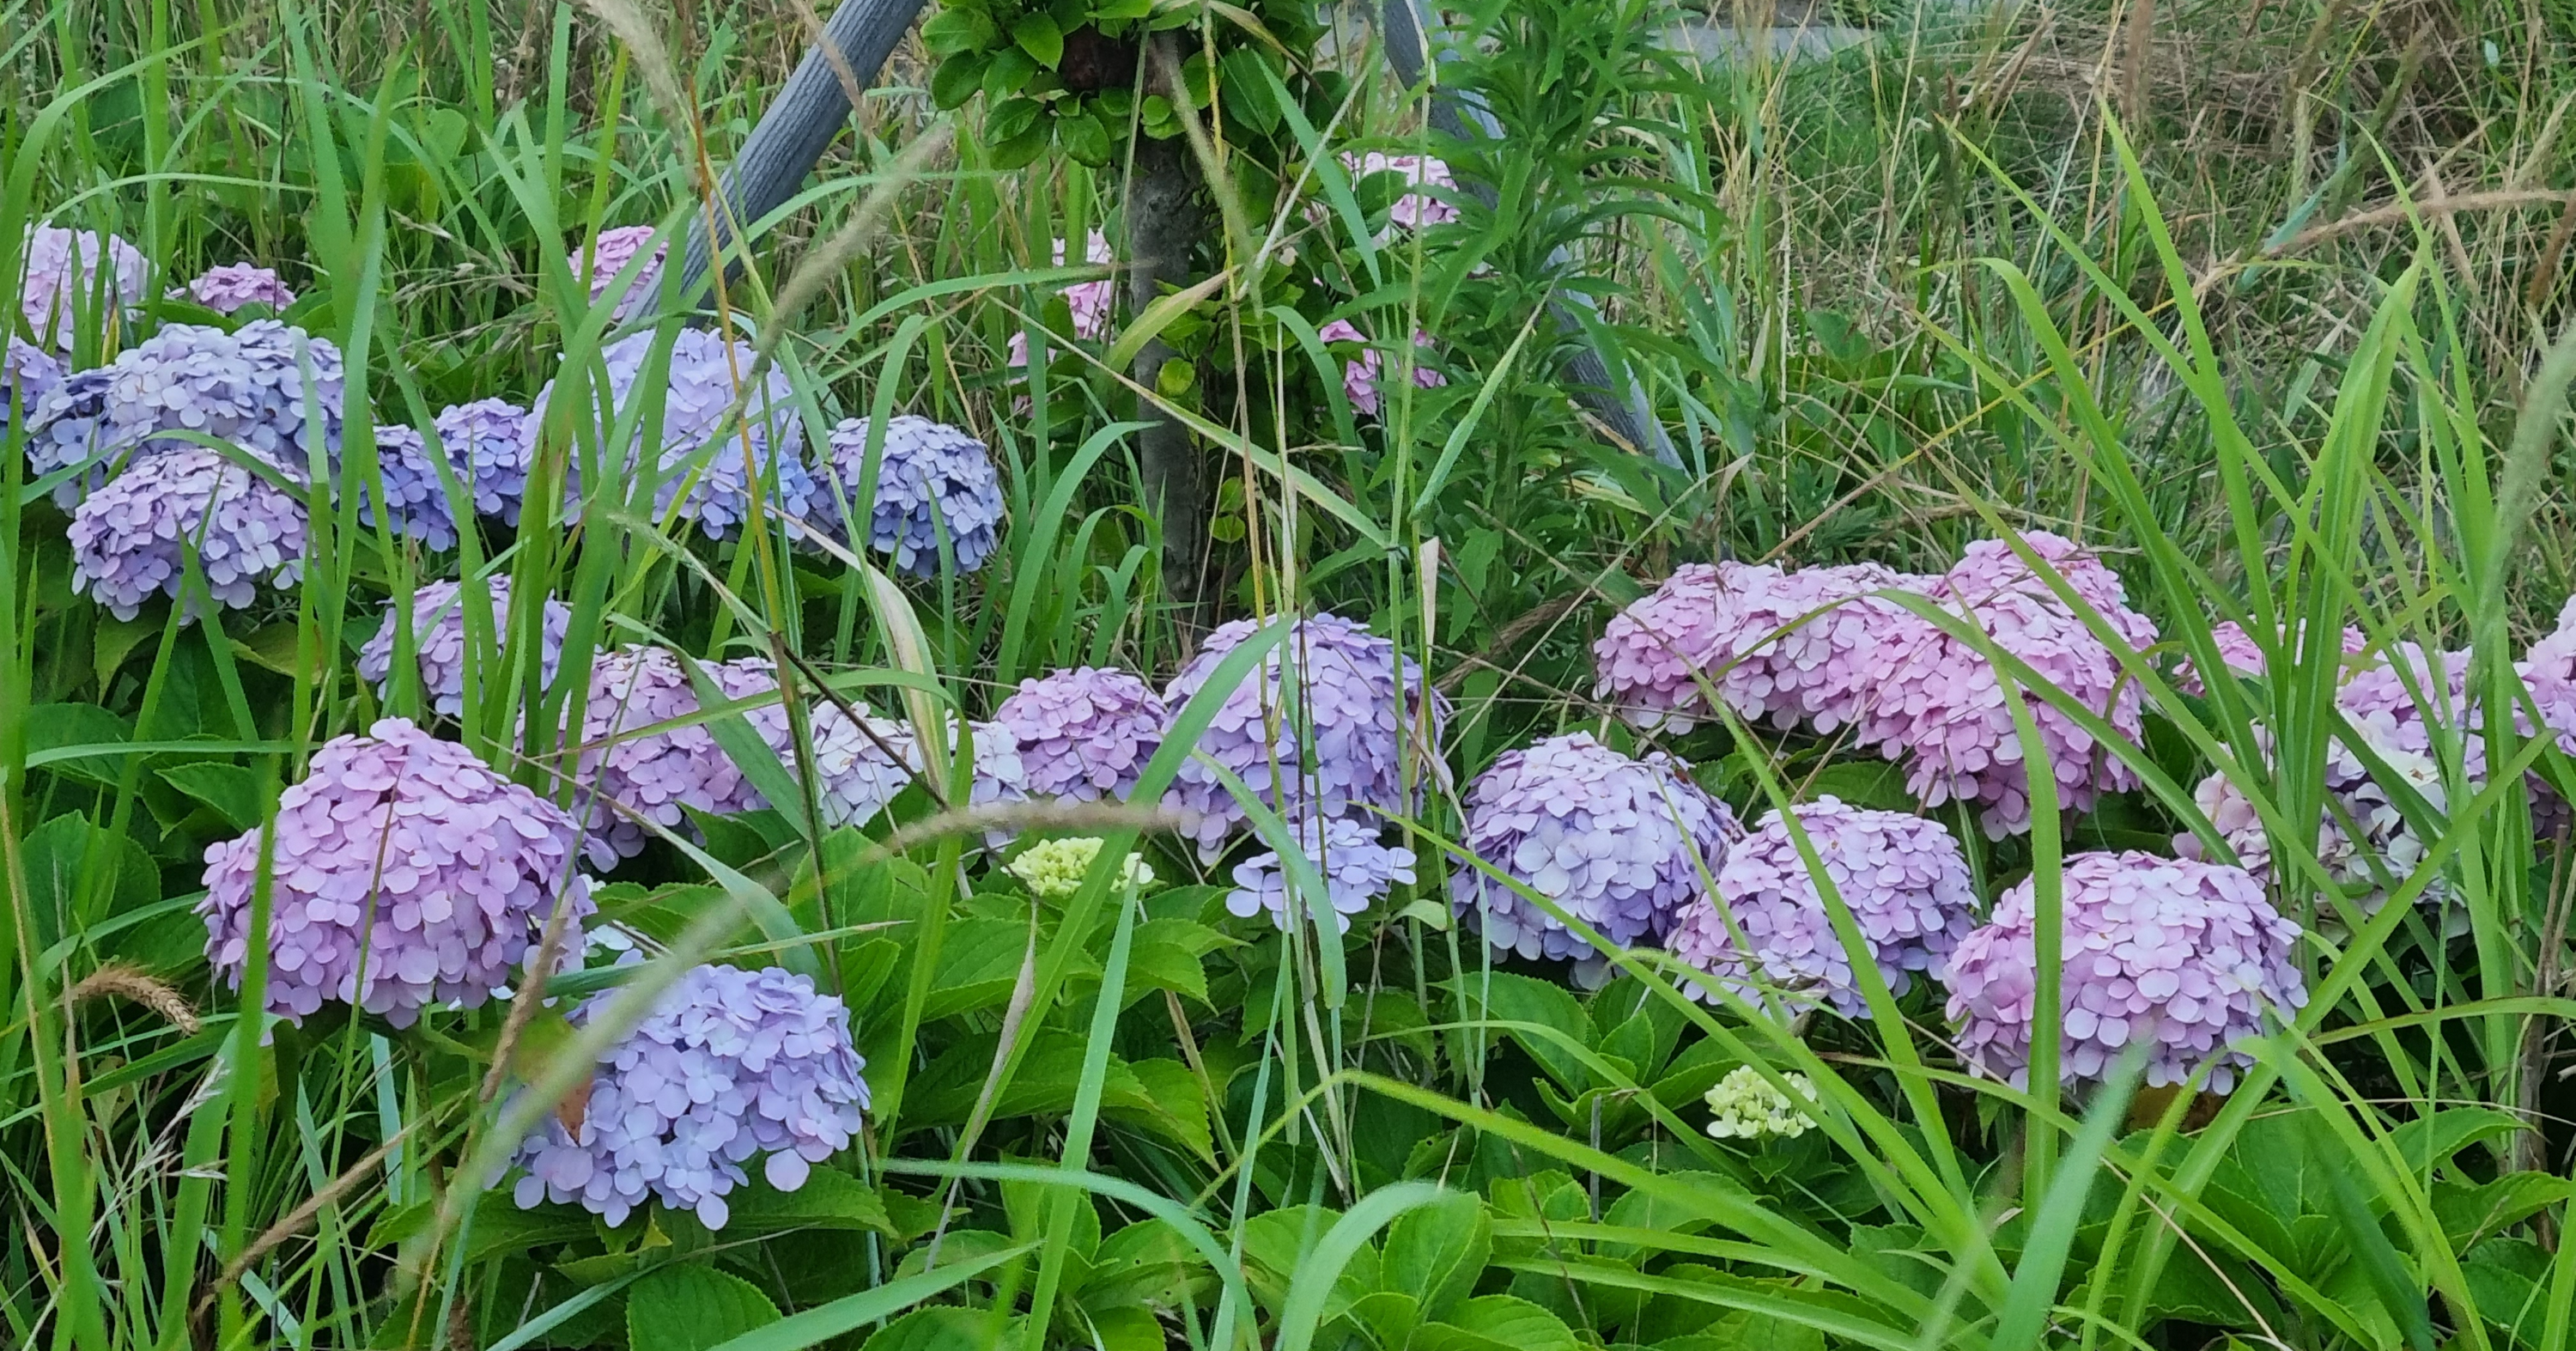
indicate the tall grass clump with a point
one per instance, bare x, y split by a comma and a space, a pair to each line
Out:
1194, 789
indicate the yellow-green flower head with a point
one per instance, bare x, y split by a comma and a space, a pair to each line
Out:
1745, 1106
1054, 869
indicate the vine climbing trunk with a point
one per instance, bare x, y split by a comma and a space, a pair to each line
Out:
1166, 220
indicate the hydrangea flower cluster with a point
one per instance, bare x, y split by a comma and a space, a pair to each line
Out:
234, 286
405, 873
270, 388
131, 539
439, 632
931, 478
1618, 843
1903, 878
2184, 955
702, 447
416, 500
860, 766
629, 771
1360, 374
62, 281
1942, 708
1357, 871
1746, 1106
67, 427
491, 444
1083, 733
1088, 302
731, 1065
1352, 706
2387, 850
31, 373
1416, 209
2243, 656
2399, 707
612, 255
1991, 567
1054, 869
1795, 646
2548, 669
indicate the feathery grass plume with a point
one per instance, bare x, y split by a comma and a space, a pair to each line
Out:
2185, 955
406, 874
1619, 843
1904, 879
132, 539
731, 1066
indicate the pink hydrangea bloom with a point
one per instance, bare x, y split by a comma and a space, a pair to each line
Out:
614, 255
1796, 647
1360, 374
234, 285
2244, 656
1416, 209
62, 281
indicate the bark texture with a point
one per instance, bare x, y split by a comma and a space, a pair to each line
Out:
1166, 219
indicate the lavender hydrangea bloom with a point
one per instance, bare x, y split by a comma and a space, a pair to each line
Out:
68, 427
489, 442
1416, 209
2386, 851
32, 373
702, 448
131, 538
1360, 374
1351, 692
1616, 842
405, 873
2548, 668
438, 630
2184, 955
1794, 646
1903, 877
1084, 733
1653, 654
232, 286
2399, 702
1357, 871
860, 765
731, 1065
630, 771
269, 388
1990, 567
417, 499
2244, 656
930, 477
62, 281
613, 254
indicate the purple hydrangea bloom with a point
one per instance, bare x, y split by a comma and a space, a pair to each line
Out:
258, 388
2549, 669
1990, 567
1940, 705
1616, 842
2399, 702
62, 281
1088, 302
488, 441
1903, 878
2238, 649
438, 630
930, 477
1357, 871
1354, 694
2185, 955
630, 770
1360, 374
1416, 209
1083, 733
131, 538
405, 873
614, 253
32, 373
234, 285
68, 427
861, 764
1794, 646
731, 1065
2386, 851
412, 487
703, 447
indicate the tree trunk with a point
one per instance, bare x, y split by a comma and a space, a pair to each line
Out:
1165, 219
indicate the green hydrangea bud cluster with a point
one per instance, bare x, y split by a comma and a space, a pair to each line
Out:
1054, 869
1747, 1106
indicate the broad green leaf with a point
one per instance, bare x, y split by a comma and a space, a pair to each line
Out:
1435, 1253
1036, 34
1496, 1323
687, 1307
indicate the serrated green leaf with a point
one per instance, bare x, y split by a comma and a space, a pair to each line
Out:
686, 1307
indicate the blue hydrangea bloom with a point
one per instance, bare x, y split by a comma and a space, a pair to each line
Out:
488, 439
930, 477
129, 539
703, 449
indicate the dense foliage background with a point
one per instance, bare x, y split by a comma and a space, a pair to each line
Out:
2269, 303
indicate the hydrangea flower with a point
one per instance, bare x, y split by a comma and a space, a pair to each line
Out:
702, 448
67, 427
260, 387
1618, 843
930, 477
1941, 706
2184, 955
2244, 656
232, 286
629, 770
62, 281
612, 255
2386, 851
1084, 733
490, 442
2398, 703
1746, 1106
2548, 669
1089, 303
418, 501
1054, 869
31, 373
438, 631
1903, 878
1799, 647
860, 766
1416, 209
131, 538
732, 1065
1360, 374
1357, 871
405, 873
1351, 693
1990, 567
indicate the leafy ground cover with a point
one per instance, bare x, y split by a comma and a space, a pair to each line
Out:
1103, 747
